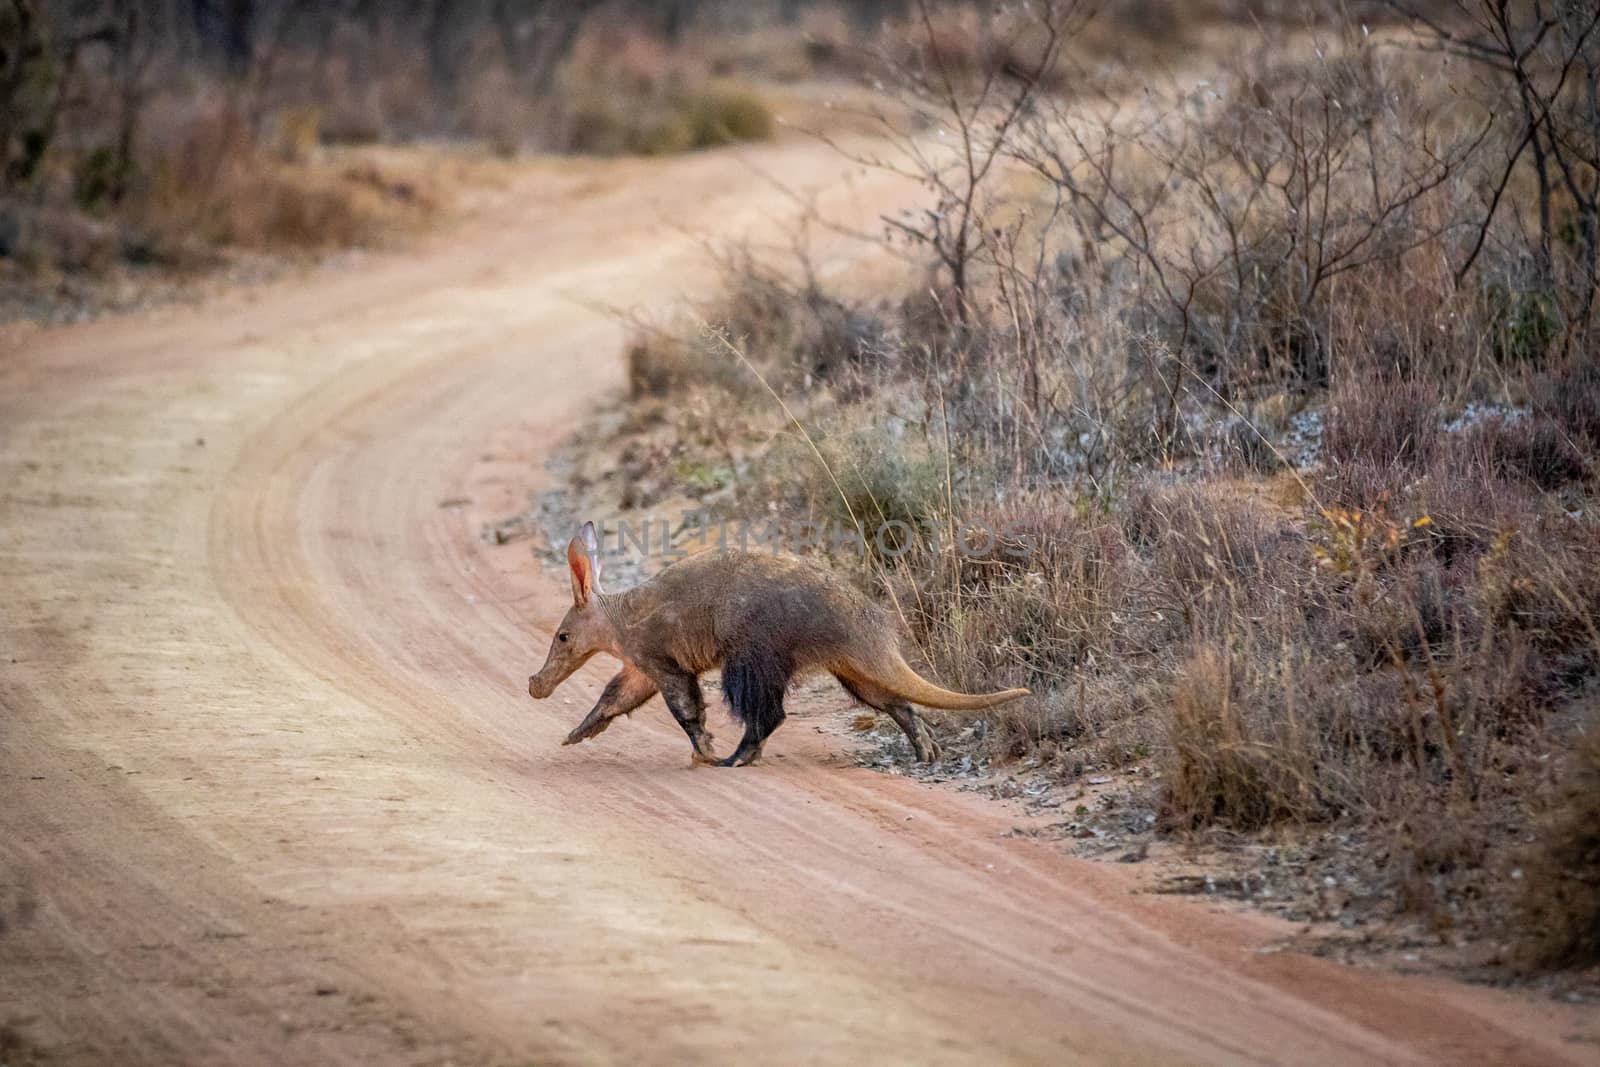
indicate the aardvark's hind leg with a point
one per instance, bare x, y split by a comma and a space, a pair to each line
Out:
916, 731
754, 686
904, 716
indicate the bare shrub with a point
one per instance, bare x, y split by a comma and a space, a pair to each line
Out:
1246, 202
1539, 83
601, 123
206, 181
979, 81
664, 363
793, 330
762, 324
60, 239
661, 365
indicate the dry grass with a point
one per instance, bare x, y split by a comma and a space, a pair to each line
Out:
1378, 421
1535, 449
797, 334
600, 122
284, 157
203, 188
625, 91
1232, 761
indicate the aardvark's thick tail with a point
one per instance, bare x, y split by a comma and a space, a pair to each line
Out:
898, 677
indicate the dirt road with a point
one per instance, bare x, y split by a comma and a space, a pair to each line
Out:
271, 790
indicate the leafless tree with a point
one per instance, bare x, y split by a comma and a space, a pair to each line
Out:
536, 35
1244, 199
133, 49
972, 103
1544, 59
22, 50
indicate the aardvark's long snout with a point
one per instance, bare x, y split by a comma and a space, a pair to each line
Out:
538, 688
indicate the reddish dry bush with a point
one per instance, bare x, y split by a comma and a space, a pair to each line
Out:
202, 181
1382, 422
1380, 433
1535, 449
626, 91
799, 332
660, 365
58, 239
1570, 395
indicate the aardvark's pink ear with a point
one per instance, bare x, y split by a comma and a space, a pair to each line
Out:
583, 557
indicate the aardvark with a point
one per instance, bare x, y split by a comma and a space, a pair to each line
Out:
763, 619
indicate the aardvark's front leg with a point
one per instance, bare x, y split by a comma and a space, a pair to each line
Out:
626, 691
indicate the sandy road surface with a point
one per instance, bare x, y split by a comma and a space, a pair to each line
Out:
270, 778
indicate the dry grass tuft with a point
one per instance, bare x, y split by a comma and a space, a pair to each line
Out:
1232, 760
625, 93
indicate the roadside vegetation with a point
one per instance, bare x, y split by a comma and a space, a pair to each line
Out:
158, 138
144, 142
1283, 375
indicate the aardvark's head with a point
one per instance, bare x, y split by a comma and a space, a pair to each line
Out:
586, 629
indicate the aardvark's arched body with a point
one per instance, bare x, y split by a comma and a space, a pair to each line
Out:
763, 619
